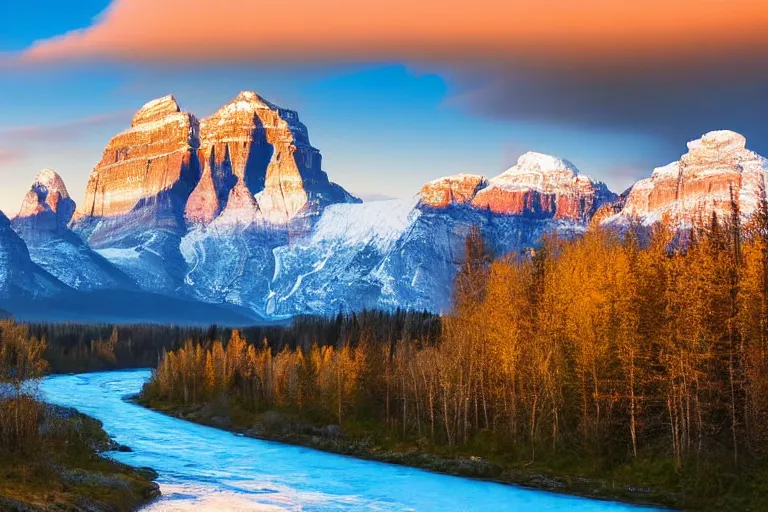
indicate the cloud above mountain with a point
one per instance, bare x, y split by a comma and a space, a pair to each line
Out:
61, 132
677, 68
549, 30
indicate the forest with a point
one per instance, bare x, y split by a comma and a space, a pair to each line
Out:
611, 350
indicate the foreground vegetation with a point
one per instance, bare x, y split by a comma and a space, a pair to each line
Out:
49, 456
638, 368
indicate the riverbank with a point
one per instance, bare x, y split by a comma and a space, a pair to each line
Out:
360, 442
68, 471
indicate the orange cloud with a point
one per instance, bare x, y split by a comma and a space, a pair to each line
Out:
9, 156
302, 30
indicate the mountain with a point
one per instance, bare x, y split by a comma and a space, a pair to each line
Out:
717, 173
539, 186
133, 212
236, 210
540, 194
544, 187
42, 224
259, 167
391, 254
233, 218
249, 165
262, 188
19, 275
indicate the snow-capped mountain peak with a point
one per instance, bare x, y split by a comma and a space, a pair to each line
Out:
48, 195
717, 171
156, 109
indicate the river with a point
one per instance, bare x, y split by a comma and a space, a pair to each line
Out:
202, 468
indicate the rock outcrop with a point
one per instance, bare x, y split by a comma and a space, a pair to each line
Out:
543, 186
251, 144
451, 190
539, 186
717, 174
145, 175
42, 224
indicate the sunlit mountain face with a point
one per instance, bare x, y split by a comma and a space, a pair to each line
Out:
313, 167
235, 210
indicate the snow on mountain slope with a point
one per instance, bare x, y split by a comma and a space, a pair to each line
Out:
42, 224
376, 223
19, 275
386, 254
420, 269
337, 265
543, 186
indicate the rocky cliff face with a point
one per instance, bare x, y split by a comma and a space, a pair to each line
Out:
451, 190
539, 187
252, 145
145, 174
542, 186
133, 213
718, 171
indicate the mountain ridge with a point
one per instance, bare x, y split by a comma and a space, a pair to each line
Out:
236, 210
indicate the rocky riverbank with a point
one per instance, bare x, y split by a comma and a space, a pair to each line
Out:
68, 471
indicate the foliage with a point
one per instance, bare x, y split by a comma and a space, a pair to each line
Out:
21, 364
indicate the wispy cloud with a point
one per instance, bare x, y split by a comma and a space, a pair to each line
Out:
9, 156
60, 132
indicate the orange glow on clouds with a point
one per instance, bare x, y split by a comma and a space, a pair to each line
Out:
343, 30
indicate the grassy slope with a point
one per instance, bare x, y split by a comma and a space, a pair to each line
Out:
66, 471
648, 480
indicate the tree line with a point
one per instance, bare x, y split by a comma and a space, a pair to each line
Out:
78, 348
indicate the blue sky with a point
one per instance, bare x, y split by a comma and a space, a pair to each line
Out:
384, 129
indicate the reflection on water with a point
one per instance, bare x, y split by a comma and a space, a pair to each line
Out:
202, 468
